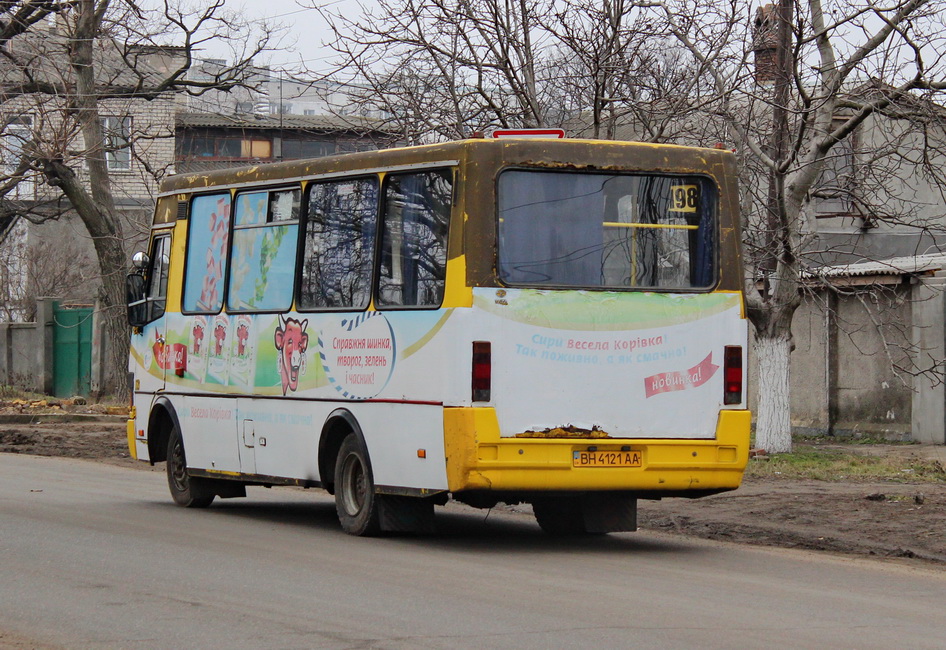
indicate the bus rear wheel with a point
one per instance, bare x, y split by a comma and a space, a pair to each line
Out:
186, 490
355, 499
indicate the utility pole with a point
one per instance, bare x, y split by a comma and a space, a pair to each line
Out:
774, 66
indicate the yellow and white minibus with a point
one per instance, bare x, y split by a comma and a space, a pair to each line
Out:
553, 322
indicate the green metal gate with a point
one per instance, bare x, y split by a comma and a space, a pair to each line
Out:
72, 350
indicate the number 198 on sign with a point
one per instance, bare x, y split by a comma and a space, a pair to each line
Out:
684, 198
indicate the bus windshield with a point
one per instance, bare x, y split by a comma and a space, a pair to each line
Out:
615, 231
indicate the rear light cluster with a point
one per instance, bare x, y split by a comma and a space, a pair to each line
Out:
732, 374
482, 370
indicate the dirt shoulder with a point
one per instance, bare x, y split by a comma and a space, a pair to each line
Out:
904, 520
894, 519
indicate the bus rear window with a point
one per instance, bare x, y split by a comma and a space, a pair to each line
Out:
614, 231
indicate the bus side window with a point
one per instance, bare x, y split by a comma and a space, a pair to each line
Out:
339, 244
158, 279
208, 229
147, 289
414, 239
263, 258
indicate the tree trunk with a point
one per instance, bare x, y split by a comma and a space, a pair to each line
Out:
114, 317
96, 207
773, 431
771, 316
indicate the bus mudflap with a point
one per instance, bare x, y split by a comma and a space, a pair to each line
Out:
591, 512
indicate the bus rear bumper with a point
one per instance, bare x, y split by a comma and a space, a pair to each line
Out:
479, 459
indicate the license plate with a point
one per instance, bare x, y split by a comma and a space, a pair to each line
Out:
606, 459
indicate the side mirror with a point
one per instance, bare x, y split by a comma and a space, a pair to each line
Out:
135, 297
140, 261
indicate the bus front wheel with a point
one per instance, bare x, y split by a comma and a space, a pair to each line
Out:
186, 490
355, 498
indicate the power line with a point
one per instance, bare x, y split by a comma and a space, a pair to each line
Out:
289, 13
304, 9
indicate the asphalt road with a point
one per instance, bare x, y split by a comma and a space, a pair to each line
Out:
96, 556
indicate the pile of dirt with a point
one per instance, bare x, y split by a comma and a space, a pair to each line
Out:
890, 519
104, 441
54, 406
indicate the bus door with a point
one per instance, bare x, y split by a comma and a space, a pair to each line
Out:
247, 441
149, 349
157, 298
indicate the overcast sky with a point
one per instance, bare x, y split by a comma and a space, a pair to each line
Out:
306, 29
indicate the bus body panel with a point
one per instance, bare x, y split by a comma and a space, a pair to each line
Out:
406, 444
209, 431
619, 363
388, 369
392, 355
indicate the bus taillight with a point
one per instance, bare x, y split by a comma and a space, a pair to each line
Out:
732, 374
482, 371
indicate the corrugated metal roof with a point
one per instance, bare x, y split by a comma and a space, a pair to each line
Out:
893, 266
295, 122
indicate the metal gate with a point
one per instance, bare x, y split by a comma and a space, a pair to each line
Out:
72, 350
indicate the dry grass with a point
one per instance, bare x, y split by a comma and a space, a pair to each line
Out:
810, 462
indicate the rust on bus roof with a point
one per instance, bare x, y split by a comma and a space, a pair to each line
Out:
562, 154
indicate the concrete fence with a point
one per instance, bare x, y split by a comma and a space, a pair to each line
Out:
849, 345
27, 351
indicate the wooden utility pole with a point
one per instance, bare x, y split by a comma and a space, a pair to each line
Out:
784, 60
774, 61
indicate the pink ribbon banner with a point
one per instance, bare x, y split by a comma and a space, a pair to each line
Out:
666, 382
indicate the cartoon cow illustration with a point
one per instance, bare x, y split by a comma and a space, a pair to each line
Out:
220, 334
291, 342
198, 334
243, 333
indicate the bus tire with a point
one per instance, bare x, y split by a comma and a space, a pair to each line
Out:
355, 499
187, 491
560, 516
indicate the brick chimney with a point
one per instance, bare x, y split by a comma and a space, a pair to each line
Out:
765, 44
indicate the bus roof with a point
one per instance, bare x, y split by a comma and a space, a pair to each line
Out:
549, 153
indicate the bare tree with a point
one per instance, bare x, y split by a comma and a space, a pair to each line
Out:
459, 65
827, 74
825, 106
31, 272
617, 70
66, 67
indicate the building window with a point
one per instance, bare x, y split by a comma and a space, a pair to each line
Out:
210, 147
835, 190
299, 149
256, 148
117, 133
18, 131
